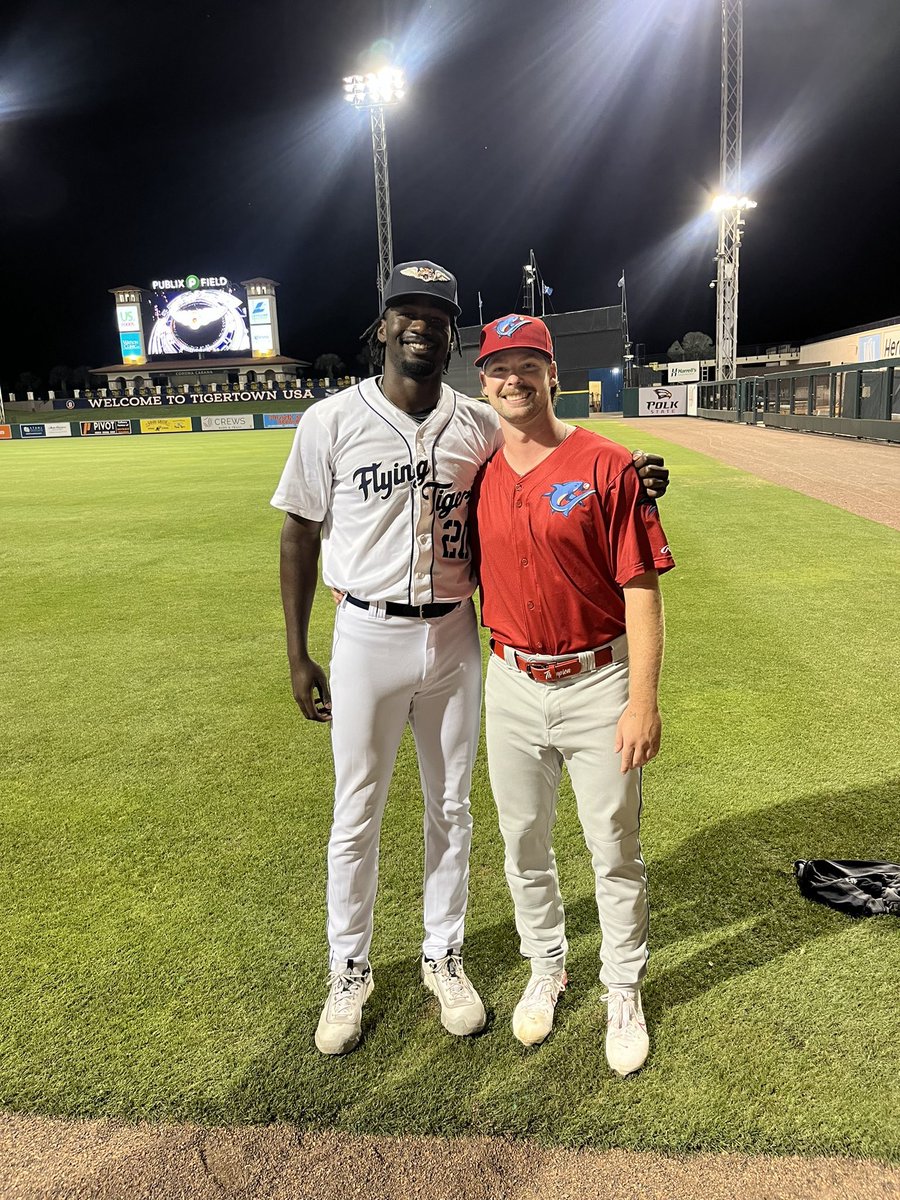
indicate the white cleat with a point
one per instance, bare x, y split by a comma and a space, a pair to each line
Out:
533, 1016
462, 1012
627, 1043
340, 1025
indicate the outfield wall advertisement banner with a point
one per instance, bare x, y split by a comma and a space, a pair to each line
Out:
5, 433
281, 420
105, 428
218, 421
662, 401
166, 425
42, 429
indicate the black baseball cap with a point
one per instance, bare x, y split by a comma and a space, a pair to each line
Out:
421, 278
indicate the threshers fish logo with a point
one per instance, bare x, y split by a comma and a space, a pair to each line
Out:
428, 274
566, 496
508, 326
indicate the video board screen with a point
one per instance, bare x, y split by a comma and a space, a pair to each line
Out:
205, 320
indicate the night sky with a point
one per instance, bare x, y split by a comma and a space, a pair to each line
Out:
138, 142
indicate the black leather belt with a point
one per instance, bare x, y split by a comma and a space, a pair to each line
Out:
407, 610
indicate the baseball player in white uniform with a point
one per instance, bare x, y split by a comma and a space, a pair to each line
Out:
379, 476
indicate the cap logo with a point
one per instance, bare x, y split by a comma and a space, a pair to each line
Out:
508, 326
426, 274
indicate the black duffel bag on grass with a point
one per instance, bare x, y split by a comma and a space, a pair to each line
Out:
859, 889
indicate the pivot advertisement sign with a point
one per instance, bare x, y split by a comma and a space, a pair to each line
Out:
105, 428
662, 401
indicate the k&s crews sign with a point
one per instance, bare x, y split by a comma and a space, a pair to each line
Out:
219, 421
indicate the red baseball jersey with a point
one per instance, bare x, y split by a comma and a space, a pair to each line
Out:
554, 547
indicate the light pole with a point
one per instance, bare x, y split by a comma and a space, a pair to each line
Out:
627, 355
375, 92
730, 210
730, 205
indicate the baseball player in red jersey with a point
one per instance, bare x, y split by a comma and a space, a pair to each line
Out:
568, 556
379, 476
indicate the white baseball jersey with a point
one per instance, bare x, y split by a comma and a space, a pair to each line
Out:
392, 494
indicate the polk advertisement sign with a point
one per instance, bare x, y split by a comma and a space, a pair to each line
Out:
662, 402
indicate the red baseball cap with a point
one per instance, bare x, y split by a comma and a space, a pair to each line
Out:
514, 332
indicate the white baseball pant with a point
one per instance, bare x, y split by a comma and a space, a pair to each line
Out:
532, 730
386, 671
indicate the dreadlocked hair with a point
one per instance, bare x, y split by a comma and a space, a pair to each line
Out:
375, 347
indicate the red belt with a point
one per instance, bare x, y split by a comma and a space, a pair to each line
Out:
551, 671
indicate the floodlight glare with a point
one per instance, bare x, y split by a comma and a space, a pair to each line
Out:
375, 89
722, 203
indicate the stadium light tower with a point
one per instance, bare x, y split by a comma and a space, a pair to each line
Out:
375, 92
730, 204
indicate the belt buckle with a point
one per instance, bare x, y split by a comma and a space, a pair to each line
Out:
551, 672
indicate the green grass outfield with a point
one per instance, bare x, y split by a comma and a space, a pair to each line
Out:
165, 810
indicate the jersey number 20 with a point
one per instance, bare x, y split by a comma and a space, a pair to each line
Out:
455, 540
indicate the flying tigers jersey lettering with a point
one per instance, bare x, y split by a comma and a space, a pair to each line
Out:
555, 546
392, 494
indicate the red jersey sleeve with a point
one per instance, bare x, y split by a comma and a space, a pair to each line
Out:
637, 540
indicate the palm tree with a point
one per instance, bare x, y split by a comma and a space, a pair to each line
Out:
330, 365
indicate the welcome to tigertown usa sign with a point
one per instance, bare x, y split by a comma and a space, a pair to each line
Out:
311, 393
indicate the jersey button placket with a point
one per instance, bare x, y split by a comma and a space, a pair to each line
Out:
423, 548
529, 582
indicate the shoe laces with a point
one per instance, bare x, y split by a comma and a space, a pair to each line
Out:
453, 977
624, 1014
346, 986
542, 992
